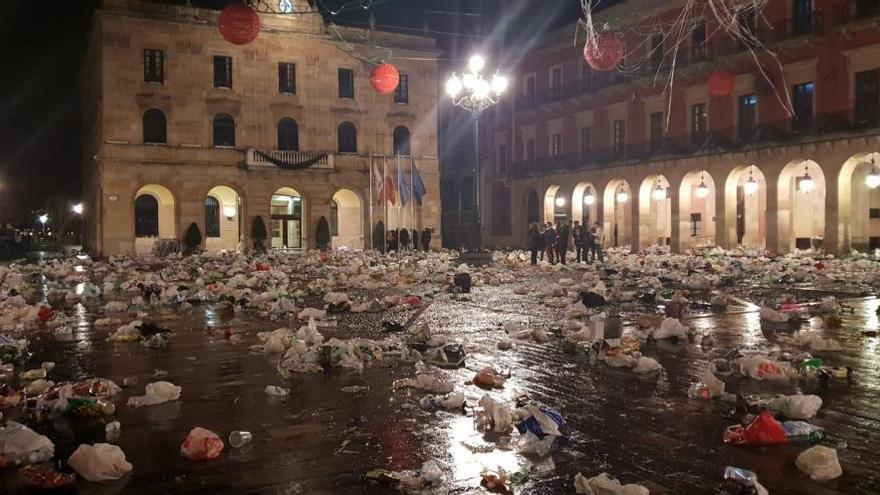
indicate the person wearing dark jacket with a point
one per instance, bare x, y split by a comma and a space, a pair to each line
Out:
576, 237
426, 239
563, 233
534, 242
550, 242
404, 239
415, 240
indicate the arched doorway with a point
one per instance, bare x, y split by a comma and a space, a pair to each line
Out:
585, 204
555, 205
655, 212
154, 217
346, 220
533, 207
745, 207
288, 229
696, 210
858, 214
617, 213
222, 219
801, 196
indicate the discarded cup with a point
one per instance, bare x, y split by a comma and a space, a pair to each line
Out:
238, 439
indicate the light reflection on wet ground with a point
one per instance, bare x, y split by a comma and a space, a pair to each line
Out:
642, 430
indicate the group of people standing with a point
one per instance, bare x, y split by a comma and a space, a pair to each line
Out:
405, 240
554, 242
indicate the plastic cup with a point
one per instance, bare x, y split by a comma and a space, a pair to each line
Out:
238, 439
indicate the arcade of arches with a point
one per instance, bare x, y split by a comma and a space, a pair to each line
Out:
827, 201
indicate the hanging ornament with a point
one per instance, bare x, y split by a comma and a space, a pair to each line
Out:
720, 83
606, 53
239, 24
384, 78
751, 185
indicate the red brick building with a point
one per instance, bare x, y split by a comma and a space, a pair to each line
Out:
568, 140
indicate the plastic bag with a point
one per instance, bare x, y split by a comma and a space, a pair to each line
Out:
761, 368
820, 463
99, 462
201, 445
605, 484
156, 393
488, 378
764, 430
796, 406
714, 385
646, 365
494, 414
22, 445
531, 444
671, 327
541, 421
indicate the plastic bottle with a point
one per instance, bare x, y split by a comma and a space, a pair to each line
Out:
741, 476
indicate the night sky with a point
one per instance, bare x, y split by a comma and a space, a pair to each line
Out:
43, 44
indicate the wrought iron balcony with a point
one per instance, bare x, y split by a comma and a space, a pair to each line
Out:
290, 160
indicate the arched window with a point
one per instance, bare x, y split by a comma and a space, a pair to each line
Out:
334, 218
154, 127
347, 138
288, 135
146, 216
212, 217
401, 140
224, 131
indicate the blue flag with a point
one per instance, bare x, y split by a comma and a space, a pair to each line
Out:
402, 185
418, 188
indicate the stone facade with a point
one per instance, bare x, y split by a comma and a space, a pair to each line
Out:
830, 52
180, 173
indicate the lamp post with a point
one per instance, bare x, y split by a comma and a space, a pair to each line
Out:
43, 219
78, 210
475, 94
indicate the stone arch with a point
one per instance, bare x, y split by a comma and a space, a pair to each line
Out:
696, 210
288, 219
553, 211
801, 212
585, 203
745, 207
149, 225
347, 219
617, 214
223, 227
855, 200
655, 212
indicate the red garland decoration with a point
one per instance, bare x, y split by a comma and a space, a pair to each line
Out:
384, 78
606, 54
720, 83
239, 24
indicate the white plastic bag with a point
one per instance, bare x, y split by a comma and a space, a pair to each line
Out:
201, 444
671, 327
156, 393
605, 484
531, 444
820, 463
22, 445
99, 462
646, 365
715, 385
796, 406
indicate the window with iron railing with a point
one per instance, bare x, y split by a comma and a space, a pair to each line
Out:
222, 72
619, 138
346, 83
748, 115
556, 145
699, 124
802, 103
867, 111
586, 140
154, 66
286, 78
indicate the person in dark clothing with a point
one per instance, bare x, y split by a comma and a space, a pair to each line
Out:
589, 247
542, 244
415, 240
534, 242
404, 239
550, 242
426, 239
563, 232
392, 242
577, 238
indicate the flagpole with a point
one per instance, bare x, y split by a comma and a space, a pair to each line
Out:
412, 198
399, 203
370, 222
385, 196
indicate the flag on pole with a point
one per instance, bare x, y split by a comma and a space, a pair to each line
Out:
418, 186
402, 184
378, 184
388, 187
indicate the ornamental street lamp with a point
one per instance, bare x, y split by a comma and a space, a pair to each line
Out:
475, 94
43, 219
873, 179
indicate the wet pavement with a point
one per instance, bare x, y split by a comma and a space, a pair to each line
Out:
321, 439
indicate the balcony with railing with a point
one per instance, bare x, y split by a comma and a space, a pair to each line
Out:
766, 134
290, 160
856, 10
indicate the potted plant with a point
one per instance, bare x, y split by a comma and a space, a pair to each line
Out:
322, 234
192, 239
259, 234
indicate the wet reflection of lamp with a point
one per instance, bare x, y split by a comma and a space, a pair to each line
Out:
229, 212
807, 183
622, 196
659, 192
751, 185
873, 179
702, 189
589, 197
560, 202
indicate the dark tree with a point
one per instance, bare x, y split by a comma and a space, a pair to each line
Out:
258, 234
193, 238
322, 234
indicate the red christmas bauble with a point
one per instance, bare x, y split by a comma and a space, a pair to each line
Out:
606, 53
720, 83
384, 79
239, 24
